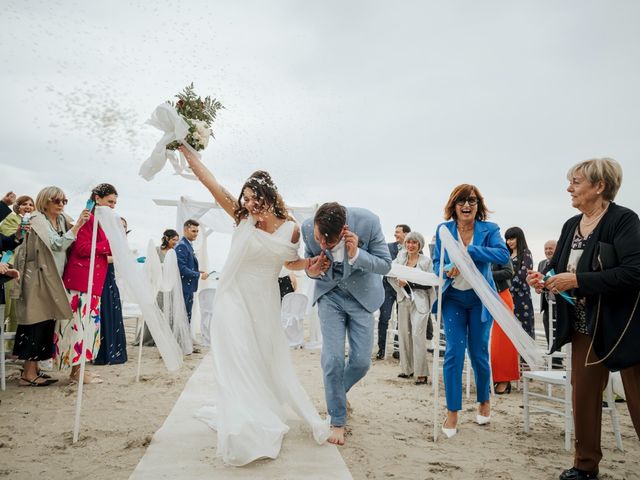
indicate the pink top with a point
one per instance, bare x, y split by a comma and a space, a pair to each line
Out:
76, 271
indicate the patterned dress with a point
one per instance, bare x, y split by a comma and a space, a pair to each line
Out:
69, 335
113, 342
521, 292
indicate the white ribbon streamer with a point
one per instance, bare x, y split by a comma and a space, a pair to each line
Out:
175, 128
414, 275
524, 344
139, 287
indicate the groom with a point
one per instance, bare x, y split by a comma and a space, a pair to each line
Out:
348, 255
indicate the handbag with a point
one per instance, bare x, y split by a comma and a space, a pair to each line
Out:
605, 257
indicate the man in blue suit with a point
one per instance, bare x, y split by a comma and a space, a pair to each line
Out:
188, 264
348, 257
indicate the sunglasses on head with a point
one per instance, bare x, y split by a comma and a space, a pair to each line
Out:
472, 201
59, 201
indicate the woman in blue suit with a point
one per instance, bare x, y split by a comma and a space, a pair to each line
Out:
466, 321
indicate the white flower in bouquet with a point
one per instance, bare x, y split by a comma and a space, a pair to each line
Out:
202, 133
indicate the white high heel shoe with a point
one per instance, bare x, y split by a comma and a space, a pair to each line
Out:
482, 420
449, 432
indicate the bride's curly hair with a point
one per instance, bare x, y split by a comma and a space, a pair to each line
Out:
266, 193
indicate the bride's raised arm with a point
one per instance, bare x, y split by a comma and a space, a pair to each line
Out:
221, 194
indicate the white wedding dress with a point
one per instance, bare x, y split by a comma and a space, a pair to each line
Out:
256, 389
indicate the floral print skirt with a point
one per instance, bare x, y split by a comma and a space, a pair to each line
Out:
70, 335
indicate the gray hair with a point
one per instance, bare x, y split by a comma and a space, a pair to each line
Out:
605, 170
415, 236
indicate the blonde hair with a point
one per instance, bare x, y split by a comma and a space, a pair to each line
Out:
46, 194
605, 170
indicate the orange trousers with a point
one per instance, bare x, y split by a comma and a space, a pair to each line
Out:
505, 361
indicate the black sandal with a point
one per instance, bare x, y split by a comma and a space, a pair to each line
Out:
33, 383
41, 374
404, 375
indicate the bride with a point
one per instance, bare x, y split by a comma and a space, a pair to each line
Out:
256, 386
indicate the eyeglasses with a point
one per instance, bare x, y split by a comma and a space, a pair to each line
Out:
59, 201
472, 201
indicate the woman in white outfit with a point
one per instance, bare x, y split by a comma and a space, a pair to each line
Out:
414, 306
256, 386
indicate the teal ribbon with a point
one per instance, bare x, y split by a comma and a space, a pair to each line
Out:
564, 295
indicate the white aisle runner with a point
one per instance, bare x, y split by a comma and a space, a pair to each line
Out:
185, 447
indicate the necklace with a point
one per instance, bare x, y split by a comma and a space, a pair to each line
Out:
594, 220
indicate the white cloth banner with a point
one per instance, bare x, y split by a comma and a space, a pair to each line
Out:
524, 344
141, 291
414, 275
165, 278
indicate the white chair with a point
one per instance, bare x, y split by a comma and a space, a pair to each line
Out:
132, 310
206, 298
292, 317
562, 378
560, 404
3, 336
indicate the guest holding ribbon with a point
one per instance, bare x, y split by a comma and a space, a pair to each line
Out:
113, 341
39, 293
414, 306
595, 275
466, 321
72, 337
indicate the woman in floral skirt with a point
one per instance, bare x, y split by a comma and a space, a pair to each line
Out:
72, 335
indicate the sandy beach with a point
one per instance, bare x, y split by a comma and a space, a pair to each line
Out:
389, 435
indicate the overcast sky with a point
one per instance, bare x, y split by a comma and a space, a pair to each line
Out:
378, 104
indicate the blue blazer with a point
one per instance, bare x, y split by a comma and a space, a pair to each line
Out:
487, 247
362, 279
188, 266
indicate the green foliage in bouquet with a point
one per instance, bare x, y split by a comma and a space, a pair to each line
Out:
199, 114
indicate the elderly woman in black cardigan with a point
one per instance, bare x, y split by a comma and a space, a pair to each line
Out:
597, 266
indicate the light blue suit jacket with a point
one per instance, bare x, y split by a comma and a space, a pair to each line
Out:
362, 279
487, 247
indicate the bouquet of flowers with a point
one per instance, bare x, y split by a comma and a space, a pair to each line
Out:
199, 115
186, 122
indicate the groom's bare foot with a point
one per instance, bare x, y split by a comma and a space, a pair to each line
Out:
337, 435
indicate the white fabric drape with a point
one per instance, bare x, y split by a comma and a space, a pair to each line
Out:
165, 279
139, 288
174, 309
511, 326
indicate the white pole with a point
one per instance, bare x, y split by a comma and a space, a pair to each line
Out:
3, 385
92, 261
141, 337
436, 352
